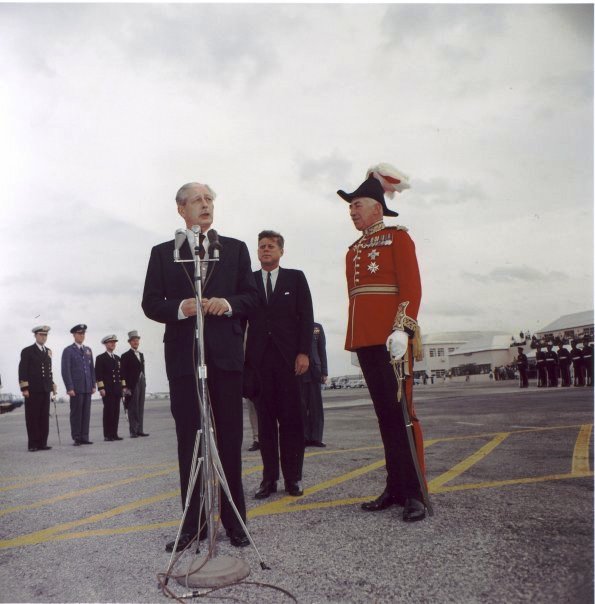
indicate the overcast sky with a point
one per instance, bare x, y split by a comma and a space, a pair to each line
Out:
105, 110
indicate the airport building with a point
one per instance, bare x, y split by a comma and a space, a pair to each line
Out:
568, 327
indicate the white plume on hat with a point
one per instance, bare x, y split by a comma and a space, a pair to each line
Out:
390, 178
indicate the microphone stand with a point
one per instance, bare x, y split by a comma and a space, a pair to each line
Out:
208, 571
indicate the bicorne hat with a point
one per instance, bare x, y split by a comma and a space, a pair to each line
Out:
371, 188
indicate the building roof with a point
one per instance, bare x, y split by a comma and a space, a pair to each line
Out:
577, 319
499, 341
451, 337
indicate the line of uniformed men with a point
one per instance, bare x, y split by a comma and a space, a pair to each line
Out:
115, 377
553, 365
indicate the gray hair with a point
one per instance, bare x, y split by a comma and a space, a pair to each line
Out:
181, 195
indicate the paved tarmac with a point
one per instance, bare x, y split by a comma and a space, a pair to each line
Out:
509, 470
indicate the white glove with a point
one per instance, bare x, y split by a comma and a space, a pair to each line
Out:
397, 343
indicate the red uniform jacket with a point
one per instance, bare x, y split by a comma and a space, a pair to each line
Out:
382, 272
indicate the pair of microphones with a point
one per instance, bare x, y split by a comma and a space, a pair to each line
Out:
214, 244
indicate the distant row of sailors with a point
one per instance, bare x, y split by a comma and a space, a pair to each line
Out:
570, 367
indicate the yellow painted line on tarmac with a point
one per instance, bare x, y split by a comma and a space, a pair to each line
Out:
470, 461
580, 455
503, 483
26, 482
50, 533
87, 491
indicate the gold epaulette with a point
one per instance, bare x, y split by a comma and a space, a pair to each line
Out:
398, 227
24, 385
100, 385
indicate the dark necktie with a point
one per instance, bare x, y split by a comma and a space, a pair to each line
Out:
269, 288
201, 247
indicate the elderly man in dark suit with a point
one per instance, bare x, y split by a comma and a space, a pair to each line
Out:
229, 293
133, 374
37, 384
312, 380
78, 373
277, 349
109, 383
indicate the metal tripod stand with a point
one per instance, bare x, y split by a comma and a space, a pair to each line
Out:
206, 467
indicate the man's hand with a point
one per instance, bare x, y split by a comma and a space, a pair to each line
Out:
397, 343
302, 362
102, 393
189, 307
323, 379
26, 393
214, 306
71, 393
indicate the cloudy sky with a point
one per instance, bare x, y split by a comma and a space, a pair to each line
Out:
105, 110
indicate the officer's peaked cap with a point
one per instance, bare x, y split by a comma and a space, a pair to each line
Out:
79, 327
41, 329
111, 338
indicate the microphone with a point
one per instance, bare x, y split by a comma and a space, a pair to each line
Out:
214, 244
179, 239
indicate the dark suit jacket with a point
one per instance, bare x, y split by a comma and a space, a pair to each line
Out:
288, 319
107, 373
168, 283
35, 369
131, 368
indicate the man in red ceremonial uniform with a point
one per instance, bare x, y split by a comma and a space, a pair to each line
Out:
384, 296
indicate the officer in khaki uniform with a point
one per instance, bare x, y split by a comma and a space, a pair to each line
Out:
109, 384
37, 385
384, 296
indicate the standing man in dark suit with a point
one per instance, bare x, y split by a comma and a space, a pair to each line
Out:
133, 374
78, 374
37, 385
229, 293
523, 366
311, 382
277, 348
564, 363
109, 383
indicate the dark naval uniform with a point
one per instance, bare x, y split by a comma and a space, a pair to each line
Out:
551, 366
382, 273
78, 374
588, 363
310, 386
35, 376
564, 361
541, 369
523, 366
107, 373
576, 354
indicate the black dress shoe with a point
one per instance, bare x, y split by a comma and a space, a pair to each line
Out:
293, 488
33, 449
255, 446
108, 439
316, 443
134, 436
143, 434
117, 437
45, 448
76, 443
381, 503
237, 537
86, 442
414, 510
183, 542
267, 488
